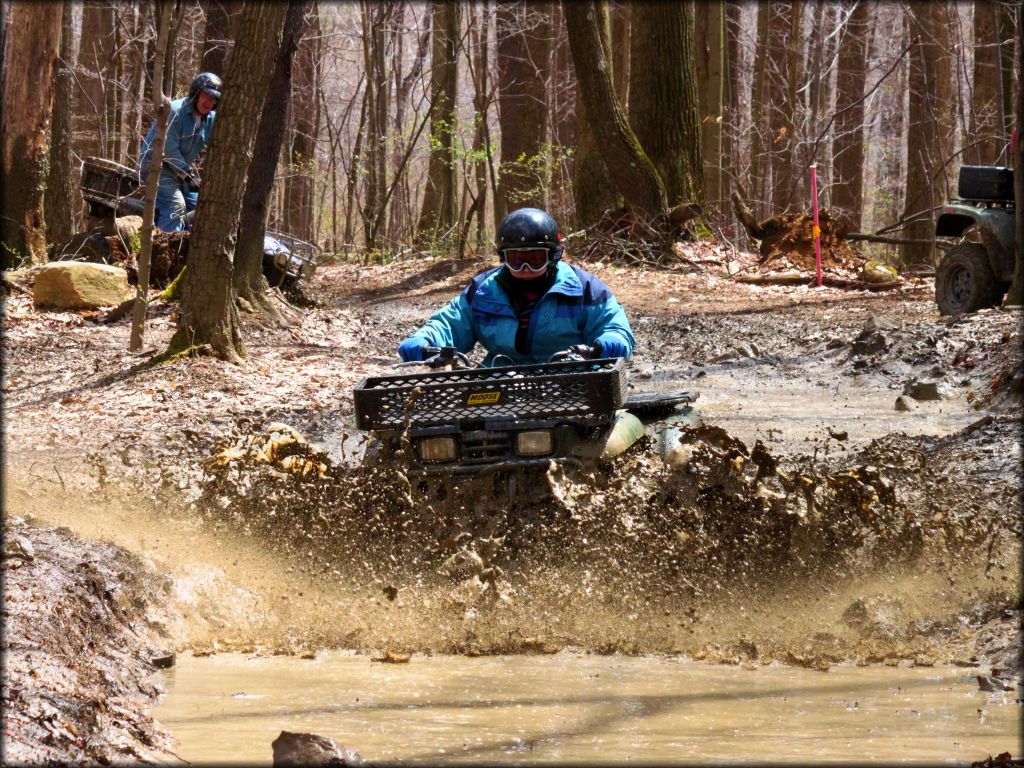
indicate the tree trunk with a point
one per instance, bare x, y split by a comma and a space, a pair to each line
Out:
631, 171
928, 126
524, 52
63, 200
250, 284
848, 141
1015, 296
168, 19
437, 216
987, 119
305, 119
31, 50
619, 51
219, 16
783, 74
731, 113
208, 309
1007, 25
710, 64
758, 153
593, 190
377, 18
479, 29
663, 84
353, 172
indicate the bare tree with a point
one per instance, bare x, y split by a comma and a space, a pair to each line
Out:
630, 169
929, 125
783, 65
62, 200
217, 35
305, 124
208, 315
524, 52
758, 98
168, 20
250, 284
1015, 296
848, 144
709, 59
30, 57
437, 217
988, 120
620, 50
663, 83
593, 190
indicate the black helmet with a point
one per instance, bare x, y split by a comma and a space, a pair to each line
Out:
530, 228
205, 81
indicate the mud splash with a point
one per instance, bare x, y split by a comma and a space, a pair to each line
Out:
707, 555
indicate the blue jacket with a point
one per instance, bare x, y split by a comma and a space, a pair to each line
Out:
186, 137
577, 309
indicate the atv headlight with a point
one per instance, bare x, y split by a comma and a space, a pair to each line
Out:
534, 443
437, 449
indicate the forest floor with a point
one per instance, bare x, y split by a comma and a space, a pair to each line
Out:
123, 529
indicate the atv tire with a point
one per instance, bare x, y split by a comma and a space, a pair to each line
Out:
964, 281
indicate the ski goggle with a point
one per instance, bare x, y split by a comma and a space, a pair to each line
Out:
533, 259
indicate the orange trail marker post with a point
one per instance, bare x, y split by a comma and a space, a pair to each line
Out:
817, 229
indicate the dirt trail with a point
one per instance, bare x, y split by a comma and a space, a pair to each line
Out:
899, 544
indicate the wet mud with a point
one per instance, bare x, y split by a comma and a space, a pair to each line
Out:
865, 536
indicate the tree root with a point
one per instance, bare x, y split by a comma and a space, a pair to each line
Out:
173, 291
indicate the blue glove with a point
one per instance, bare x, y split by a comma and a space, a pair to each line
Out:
610, 346
412, 348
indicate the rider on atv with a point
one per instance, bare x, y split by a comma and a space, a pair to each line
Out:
189, 128
531, 306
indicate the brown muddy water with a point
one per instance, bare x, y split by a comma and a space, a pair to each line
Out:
579, 708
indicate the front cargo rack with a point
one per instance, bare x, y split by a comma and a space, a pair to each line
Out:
585, 390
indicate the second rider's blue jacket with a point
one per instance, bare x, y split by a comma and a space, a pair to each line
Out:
187, 134
577, 309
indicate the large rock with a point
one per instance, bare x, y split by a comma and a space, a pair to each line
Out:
300, 749
80, 285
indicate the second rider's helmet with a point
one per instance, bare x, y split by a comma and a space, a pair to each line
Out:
529, 237
205, 81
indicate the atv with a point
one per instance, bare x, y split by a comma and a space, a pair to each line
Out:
511, 420
976, 273
112, 189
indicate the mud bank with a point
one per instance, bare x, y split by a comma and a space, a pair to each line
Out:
79, 651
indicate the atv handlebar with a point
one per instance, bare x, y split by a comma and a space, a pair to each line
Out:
577, 352
440, 357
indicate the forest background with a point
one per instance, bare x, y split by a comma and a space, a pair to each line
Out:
411, 127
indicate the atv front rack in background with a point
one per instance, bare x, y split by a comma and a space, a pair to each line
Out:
587, 391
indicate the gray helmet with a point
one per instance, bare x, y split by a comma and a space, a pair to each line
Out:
205, 81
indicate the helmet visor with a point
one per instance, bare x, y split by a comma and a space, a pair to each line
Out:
519, 259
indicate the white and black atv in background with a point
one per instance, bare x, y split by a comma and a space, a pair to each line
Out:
112, 190
977, 272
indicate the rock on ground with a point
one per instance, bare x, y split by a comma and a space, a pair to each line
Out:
80, 285
301, 749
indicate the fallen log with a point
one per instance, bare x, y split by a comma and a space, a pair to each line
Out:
869, 238
802, 278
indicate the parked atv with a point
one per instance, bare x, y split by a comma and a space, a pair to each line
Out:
112, 189
977, 272
471, 421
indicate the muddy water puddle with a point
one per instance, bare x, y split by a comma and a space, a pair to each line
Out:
582, 709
